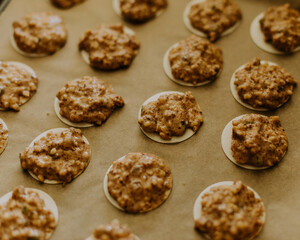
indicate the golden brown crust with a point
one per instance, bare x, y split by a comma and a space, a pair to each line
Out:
60, 156
258, 140
3, 137
281, 27
88, 99
66, 3
113, 231
109, 47
141, 10
264, 85
24, 217
230, 212
195, 60
170, 115
17, 85
139, 182
213, 17
41, 33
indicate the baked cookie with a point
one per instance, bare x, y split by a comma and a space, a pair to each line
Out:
87, 100
113, 231
39, 34
109, 47
27, 213
3, 136
18, 83
281, 27
258, 140
66, 3
140, 10
138, 182
194, 61
170, 114
213, 18
229, 210
263, 85
57, 156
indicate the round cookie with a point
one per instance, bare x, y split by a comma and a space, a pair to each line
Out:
64, 4
86, 101
197, 210
116, 38
146, 186
267, 103
117, 7
208, 59
15, 94
113, 230
39, 34
48, 201
57, 181
175, 139
198, 32
226, 142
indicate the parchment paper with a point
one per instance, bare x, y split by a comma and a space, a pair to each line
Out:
195, 163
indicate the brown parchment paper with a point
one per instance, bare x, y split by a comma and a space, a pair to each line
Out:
195, 163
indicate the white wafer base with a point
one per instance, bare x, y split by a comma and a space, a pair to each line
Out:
6, 128
235, 94
49, 203
44, 134
67, 121
190, 27
168, 71
86, 56
198, 208
116, 7
27, 68
155, 136
226, 139
258, 38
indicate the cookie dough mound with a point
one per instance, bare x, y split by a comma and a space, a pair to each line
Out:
213, 17
59, 155
258, 140
231, 212
141, 10
139, 182
66, 3
263, 85
195, 60
113, 231
171, 114
25, 216
88, 99
109, 47
281, 27
40, 33
17, 85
